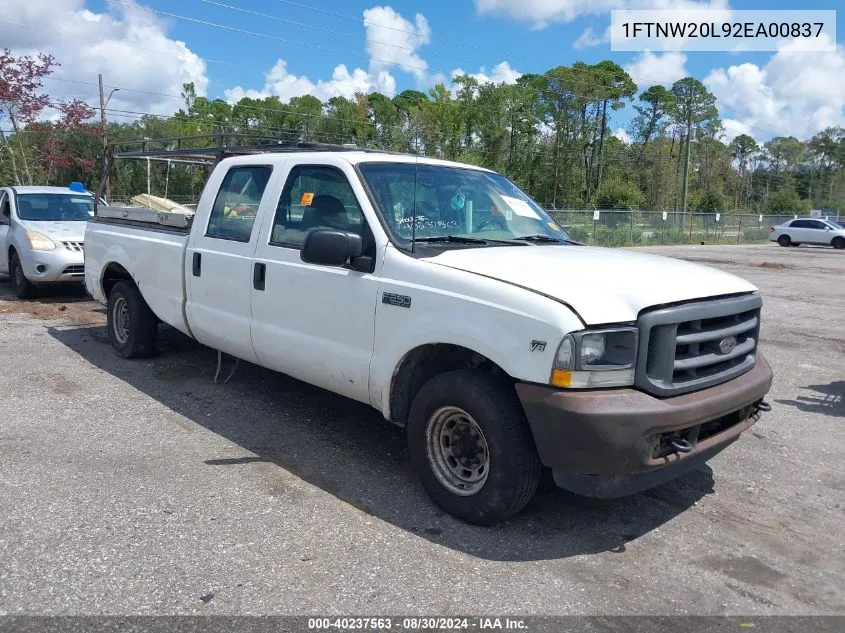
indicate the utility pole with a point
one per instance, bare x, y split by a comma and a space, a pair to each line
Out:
105, 131
103, 102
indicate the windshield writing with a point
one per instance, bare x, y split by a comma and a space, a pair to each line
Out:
52, 207
456, 202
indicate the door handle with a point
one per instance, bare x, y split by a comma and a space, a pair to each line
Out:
197, 264
259, 272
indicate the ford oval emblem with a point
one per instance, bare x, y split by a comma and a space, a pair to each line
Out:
727, 344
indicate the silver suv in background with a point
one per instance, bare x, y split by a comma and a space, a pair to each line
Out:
42, 233
808, 231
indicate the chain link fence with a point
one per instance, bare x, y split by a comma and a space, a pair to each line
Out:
645, 228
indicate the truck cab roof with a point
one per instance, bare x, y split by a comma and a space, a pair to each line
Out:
354, 157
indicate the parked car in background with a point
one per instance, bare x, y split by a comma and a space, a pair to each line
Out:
42, 233
808, 231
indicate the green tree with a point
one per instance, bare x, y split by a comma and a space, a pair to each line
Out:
694, 105
787, 200
616, 194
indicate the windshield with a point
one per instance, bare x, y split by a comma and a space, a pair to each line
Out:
452, 201
835, 225
55, 207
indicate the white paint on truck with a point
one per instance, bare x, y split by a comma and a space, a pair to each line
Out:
491, 287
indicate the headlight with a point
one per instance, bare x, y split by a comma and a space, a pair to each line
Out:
598, 358
39, 241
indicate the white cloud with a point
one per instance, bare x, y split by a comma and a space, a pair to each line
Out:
501, 73
734, 128
130, 47
589, 38
795, 93
393, 41
279, 82
541, 13
648, 69
622, 135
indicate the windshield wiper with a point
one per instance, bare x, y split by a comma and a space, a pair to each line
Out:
541, 238
462, 239
457, 239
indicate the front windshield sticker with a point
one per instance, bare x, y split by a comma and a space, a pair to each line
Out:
307, 199
553, 226
520, 207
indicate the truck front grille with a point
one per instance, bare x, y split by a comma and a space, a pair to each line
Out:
696, 345
74, 246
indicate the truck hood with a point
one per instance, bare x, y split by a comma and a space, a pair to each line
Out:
602, 285
58, 231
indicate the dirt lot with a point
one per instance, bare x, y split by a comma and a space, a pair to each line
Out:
140, 487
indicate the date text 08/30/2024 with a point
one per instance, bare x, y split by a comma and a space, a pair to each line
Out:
416, 623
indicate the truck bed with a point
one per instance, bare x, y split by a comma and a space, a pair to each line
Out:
153, 253
143, 216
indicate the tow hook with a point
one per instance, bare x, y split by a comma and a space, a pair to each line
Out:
763, 406
680, 444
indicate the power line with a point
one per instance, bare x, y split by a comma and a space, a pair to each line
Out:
593, 95
264, 35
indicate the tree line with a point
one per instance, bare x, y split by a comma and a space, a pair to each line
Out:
551, 133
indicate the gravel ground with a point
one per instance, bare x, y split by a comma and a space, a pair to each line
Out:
140, 487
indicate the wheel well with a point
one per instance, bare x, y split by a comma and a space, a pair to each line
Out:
425, 362
112, 274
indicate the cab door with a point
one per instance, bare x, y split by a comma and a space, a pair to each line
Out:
310, 321
219, 261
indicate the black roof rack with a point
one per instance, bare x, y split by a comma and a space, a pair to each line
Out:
223, 146
209, 149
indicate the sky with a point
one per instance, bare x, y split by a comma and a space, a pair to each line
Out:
235, 48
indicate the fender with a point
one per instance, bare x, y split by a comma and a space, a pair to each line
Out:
499, 321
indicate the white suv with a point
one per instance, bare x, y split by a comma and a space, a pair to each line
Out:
808, 231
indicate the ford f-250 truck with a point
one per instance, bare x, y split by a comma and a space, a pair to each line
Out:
446, 298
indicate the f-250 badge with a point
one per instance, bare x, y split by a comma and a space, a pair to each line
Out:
401, 301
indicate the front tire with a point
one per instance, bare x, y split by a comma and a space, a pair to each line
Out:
471, 448
131, 324
838, 242
784, 240
23, 287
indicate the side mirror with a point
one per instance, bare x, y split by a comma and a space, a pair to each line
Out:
330, 247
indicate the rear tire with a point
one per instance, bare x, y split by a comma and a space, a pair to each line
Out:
471, 447
838, 242
23, 287
784, 240
132, 325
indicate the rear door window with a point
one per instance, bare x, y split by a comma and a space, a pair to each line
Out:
236, 206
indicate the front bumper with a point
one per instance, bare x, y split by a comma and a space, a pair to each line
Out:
616, 442
57, 266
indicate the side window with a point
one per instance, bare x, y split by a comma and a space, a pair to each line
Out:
799, 224
5, 210
315, 196
815, 224
233, 214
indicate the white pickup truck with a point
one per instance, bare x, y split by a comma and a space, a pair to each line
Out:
443, 296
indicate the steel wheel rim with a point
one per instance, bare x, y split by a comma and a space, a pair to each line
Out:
18, 275
457, 451
120, 320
